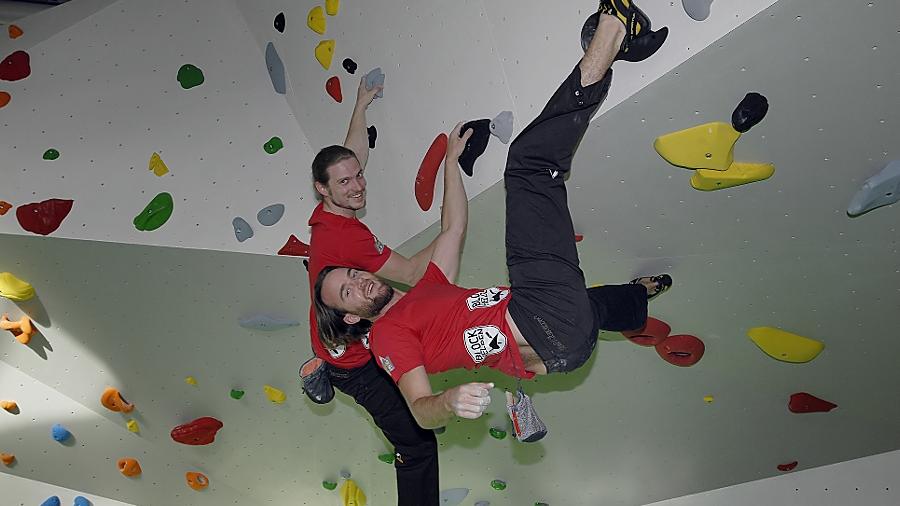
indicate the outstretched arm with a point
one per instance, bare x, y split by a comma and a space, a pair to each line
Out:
455, 211
430, 410
357, 135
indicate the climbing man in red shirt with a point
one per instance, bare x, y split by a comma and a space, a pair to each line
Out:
547, 321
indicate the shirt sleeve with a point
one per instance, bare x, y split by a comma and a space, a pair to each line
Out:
362, 248
397, 350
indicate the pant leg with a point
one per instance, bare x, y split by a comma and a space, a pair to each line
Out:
417, 462
619, 307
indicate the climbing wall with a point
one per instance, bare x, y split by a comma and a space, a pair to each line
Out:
24, 492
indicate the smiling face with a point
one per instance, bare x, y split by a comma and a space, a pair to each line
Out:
346, 189
355, 292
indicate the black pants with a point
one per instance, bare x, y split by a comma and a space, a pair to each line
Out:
557, 315
417, 462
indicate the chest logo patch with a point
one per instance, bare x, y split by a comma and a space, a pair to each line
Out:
483, 341
387, 364
379, 247
486, 298
337, 352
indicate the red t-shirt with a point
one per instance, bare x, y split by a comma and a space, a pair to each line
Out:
346, 242
443, 326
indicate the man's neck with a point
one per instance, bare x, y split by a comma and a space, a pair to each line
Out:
387, 307
340, 211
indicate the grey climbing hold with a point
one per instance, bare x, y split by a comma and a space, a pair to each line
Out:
453, 496
242, 230
276, 69
345, 474
483, 503
266, 323
374, 78
502, 126
270, 215
698, 10
440, 430
879, 190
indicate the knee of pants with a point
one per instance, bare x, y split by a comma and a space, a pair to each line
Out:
423, 452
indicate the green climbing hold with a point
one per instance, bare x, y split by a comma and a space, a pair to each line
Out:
329, 485
273, 146
498, 484
236, 394
387, 458
189, 76
51, 154
498, 433
156, 214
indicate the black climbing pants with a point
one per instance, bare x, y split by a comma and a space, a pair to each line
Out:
557, 315
415, 448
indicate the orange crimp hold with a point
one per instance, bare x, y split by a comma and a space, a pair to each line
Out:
129, 467
10, 406
4, 205
22, 329
197, 481
15, 32
7, 458
113, 401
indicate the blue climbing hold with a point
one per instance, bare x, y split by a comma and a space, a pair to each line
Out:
60, 433
51, 501
266, 323
276, 69
81, 501
879, 190
374, 78
270, 215
453, 496
242, 230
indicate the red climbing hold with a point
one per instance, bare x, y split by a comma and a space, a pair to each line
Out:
579, 237
43, 217
333, 87
803, 402
787, 467
4, 98
4, 207
15, 66
682, 350
201, 431
428, 171
652, 333
294, 248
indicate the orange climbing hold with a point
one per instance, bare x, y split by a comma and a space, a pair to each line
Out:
22, 329
15, 32
4, 207
197, 481
129, 467
4, 98
428, 171
10, 406
7, 459
113, 401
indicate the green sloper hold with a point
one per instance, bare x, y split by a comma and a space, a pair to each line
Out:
189, 76
498, 484
497, 433
51, 154
387, 458
273, 146
156, 214
329, 485
236, 394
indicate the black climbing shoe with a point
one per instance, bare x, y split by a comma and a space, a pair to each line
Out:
749, 112
640, 41
663, 283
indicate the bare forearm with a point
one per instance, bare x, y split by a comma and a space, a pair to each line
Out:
357, 136
455, 211
420, 262
432, 411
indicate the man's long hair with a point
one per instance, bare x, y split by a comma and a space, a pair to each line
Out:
333, 330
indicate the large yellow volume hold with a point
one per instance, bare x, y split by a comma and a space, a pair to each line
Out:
739, 173
315, 20
785, 346
14, 288
707, 146
351, 495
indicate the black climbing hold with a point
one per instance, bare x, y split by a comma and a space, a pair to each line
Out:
373, 134
349, 65
279, 22
476, 144
749, 112
306, 264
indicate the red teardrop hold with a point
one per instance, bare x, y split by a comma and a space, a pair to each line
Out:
579, 237
787, 467
682, 350
652, 333
803, 402
333, 87
294, 248
428, 171
43, 217
15, 66
201, 431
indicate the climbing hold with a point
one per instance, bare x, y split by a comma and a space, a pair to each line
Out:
294, 248
502, 126
276, 69
14, 288
497, 433
324, 53
157, 165
681, 349
155, 214
787, 467
236, 394
133, 426
10, 407
498, 484
4, 98
129, 467
190, 380
879, 190
16, 66
331, 7
351, 494
189, 76
315, 20
750, 111
266, 323
22, 329
242, 230
7, 459
439, 430
270, 215
737, 174
651, 334
708, 399
60, 433
428, 170
482, 503
113, 401
349, 65
81, 501
51, 501
333, 88
453, 496
707, 146
329, 485
803, 402
273, 145
15, 32
195, 480
51, 154
43, 217
477, 143
6, 206
785, 346
387, 458
373, 136
374, 78
279, 22
201, 431
579, 237
698, 10
275, 395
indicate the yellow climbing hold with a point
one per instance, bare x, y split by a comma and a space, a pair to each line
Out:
707, 146
352, 495
708, 399
190, 380
324, 53
14, 288
739, 173
332, 6
158, 166
275, 395
315, 20
133, 426
785, 346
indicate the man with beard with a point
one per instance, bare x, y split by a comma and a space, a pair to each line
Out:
547, 321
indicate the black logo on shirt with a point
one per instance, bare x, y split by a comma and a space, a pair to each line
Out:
484, 341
